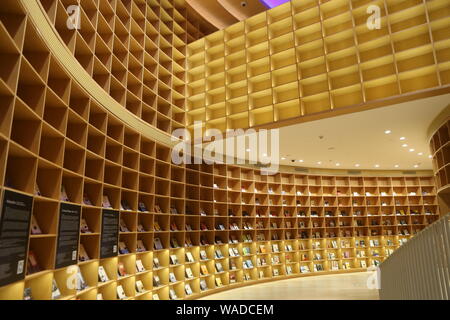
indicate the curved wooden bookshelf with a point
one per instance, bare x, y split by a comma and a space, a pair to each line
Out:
55, 132
440, 150
306, 60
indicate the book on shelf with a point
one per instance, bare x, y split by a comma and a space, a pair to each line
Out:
219, 282
156, 263
140, 266
142, 207
123, 226
363, 264
56, 294
155, 296
304, 269
84, 228
156, 281
174, 243
102, 275
140, 286
156, 226
189, 257
86, 200
63, 196
203, 241
125, 205
140, 247
32, 264
188, 241
27, 294
35, 229
173, 210
276, 272
121, 269
82, 254
203, 255
157, 208
203, 285
157, 244
188, 227
81, 283
121, 293
203, 269
233, 265
172, 277
173, 259
140, 228
123, 249
219, 267
189, 273
218, 254
187, 289
106, 203
173, 227
232, 278
37, 191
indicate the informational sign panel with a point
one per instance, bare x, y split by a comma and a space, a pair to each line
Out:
15, 220
110, 233
68, 235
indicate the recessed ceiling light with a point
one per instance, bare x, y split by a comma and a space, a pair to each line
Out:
357, 165
387, 131
402, 138
300, 160
430, 156
420, 154
283, 158
338, 164
264, 154
319, 162
248, 150
416, 166
404, 145
377, 166
396, 166
411, 150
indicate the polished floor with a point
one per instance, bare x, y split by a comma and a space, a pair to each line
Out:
348, 286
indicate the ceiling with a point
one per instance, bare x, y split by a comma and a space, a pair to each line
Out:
223, 13
360, 138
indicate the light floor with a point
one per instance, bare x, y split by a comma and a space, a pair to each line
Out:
348, 286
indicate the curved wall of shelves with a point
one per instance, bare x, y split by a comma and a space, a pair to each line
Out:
440, 150
238, 226
306, 60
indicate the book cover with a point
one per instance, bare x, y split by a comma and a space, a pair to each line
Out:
139, 286
142, 207
189, 257
188, 289
203, 285
140, 246
63, 196
172, 277
123, 226
157, 208
204, 270
155, 296
173, 259
27, 294
156, 264
123, 248
121, 293
84, 228
140, 266
172, 294
106, 203
219, 282
86, 200
156, 281
189, 273
102, 275
82, 254
32, 265
121, 269
35, 229
157, 243
81, 283
56, 294
156, 226
140, 228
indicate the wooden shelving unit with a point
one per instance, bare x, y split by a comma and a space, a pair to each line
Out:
53, 134
440, 150
303, 58
135, 50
